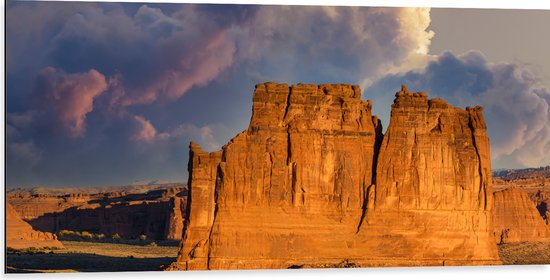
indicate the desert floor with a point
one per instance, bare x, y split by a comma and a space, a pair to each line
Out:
94, 257
525, 253
97, 257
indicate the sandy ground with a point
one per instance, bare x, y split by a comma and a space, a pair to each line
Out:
525, 253
108, 257
94, 257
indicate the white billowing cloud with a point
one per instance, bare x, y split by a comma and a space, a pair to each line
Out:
154, 53
357, 43
517, 106
516, 103
71, 96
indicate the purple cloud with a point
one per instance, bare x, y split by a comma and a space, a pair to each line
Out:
516, 103
70, 96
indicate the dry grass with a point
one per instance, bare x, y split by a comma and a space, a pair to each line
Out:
122, 250
525, 253
94, 257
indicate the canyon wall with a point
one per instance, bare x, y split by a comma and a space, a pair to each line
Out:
313, 183
20, 235
158, 214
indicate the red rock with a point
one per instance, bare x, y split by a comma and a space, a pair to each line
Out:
129, 214
301, 186
432, 198
20, 234
516, 218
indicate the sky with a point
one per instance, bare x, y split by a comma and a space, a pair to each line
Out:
112, 93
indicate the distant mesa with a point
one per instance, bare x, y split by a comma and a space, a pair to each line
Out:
156, 211
313, 182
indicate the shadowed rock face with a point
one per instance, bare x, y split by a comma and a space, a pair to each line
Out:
20, 234
156, 213
312, 183
516, 218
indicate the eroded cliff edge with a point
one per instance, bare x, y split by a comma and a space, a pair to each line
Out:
313, 182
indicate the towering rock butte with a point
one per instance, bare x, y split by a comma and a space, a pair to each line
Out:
517, 219
432, 197
19, 234
313, 182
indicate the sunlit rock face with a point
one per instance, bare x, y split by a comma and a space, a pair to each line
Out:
517, 219
432, 198
19, 234
313, 183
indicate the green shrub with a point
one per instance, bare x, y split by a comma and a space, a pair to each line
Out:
69, 235
116, 237
87, 236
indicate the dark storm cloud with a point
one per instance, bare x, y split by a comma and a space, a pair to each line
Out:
516, 104
110, 93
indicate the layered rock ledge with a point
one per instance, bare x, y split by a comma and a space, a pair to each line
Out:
313, 182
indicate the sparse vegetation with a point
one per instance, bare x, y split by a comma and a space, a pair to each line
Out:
116, 237
84, 256
31, 250
525, 253
69, 235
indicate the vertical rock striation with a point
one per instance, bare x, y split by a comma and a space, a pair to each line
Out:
432, 198
310, 183
516, 218
195, 247
175, 218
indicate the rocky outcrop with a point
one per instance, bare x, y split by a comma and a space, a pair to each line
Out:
20, 234
433, 184
202, 168
156, 213
516, 218
176, 219
311, 183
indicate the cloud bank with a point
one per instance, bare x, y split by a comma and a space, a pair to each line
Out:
111, 93
516, 104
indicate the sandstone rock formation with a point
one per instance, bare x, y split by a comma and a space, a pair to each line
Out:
516, 218
311, 183
156, 213
176, 219
20, 234
534, 181
433, 179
